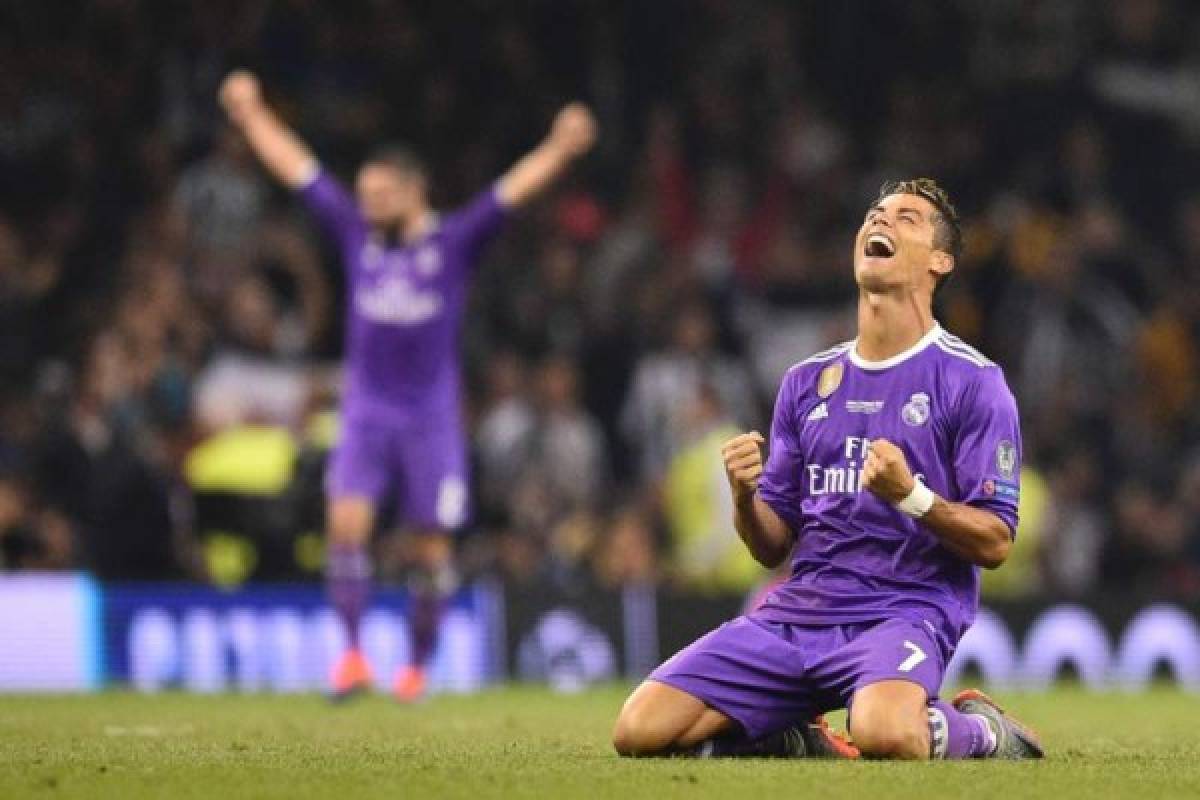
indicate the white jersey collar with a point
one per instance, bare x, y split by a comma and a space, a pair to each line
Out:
899, 358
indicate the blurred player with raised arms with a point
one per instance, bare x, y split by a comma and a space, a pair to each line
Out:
892, 477
407, 271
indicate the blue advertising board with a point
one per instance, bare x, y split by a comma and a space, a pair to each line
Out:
275, 638
62, 632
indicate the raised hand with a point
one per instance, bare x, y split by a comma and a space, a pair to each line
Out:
743, 463
574, 129
886, 472
240, 94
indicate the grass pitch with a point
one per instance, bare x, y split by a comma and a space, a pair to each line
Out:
526, 742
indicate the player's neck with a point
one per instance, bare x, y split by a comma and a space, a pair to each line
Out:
417, 225
889, 324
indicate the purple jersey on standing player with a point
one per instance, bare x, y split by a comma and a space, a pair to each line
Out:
402, 426
856, 558
405, 302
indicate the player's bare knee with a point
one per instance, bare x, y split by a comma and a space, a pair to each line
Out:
637, 733
642, 729
891, 743
344, 534
883, 734
624, 738
349, 521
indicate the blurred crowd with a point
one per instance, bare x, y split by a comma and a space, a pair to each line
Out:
170, 321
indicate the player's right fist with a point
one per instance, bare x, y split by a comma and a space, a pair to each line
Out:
240, 93
743, 463
574, 129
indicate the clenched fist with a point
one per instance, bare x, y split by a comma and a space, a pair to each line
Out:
743, 463
886, 472
574, 129
240, 93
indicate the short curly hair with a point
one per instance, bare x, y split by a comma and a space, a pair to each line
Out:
947, 234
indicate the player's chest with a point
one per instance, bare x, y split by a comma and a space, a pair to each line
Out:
849, 410
402, 287
422, 264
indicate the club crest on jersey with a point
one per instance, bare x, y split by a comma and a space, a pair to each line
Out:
1006, 458
830, 380
429, 261
916, 410
372, 254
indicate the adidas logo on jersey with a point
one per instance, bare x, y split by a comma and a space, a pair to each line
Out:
820, 412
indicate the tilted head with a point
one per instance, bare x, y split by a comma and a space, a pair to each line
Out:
391, 187
910, 238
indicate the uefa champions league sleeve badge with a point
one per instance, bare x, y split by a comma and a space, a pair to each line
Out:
830, 380
1006, 459
916, 410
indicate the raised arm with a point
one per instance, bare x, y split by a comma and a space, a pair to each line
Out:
571, 135
279, 149
975, 534
979, 536
766, 535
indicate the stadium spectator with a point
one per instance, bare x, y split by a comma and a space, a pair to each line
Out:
140, 258
667, 383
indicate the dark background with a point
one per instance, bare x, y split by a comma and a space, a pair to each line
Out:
156, 291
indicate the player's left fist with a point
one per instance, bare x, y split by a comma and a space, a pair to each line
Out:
886, 472
574, 129
240, 93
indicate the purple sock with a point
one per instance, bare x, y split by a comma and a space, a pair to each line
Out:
953, 734
428, 593
348, 584
426, 615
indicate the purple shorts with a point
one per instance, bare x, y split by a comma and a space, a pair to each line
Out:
424, 463
769, 675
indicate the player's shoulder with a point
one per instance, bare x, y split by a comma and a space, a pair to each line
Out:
956, 348
801, 373
484, 201
819, 360
971, 375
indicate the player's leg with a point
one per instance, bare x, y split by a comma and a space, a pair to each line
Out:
738, 690
434, 504
889, 672
888, 720
348, 583
432, 580
1013, 739
895, 719
355, 475
659, 719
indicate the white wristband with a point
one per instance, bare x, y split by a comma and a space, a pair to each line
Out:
919, 500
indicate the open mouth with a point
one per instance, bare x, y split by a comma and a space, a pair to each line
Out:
879, 245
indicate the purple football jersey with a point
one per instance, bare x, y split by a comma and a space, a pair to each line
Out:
405, 302
856, 558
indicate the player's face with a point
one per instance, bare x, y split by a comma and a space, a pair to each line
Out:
894, 247
388, 196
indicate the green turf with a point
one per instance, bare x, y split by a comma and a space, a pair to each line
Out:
524, 742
